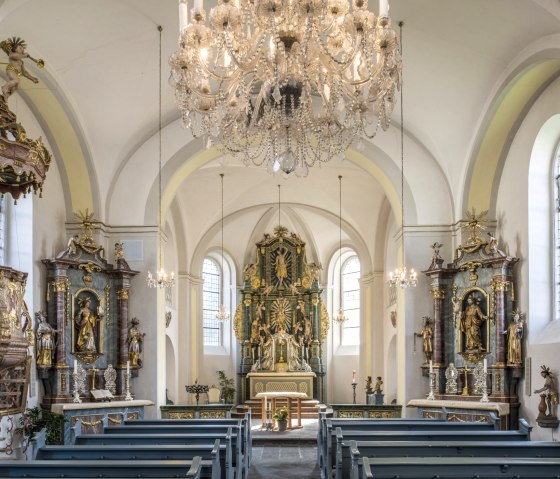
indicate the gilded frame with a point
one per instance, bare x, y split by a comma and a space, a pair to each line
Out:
88, 357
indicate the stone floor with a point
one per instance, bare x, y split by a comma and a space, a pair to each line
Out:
285, 455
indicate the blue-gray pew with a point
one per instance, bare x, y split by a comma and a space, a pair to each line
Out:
244, 423
110, 469
214, 453
337, 437
460, 468
349, 466
241, 458
326, 425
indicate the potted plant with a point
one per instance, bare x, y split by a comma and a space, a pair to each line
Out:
35, 419
227, 388
281, 417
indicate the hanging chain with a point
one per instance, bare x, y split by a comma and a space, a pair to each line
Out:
278, 208
401, 23
222, 182
160, 29
340, 239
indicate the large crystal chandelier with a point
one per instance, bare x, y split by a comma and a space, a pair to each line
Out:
401, 276
162, 279
286, 83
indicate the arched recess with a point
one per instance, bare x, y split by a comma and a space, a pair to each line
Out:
67, 140
181, 159
171, 370
516, 91
391, 362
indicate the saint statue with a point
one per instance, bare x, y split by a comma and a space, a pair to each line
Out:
281, 265
72, 248
471, 322
426, 334
15, 49
45, 340
456, 309
378, 383
514, 333
86, 320
135, 340
549, 393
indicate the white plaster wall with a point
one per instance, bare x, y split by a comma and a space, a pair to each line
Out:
530, 244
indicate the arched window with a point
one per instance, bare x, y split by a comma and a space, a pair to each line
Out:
351, 301
211, 300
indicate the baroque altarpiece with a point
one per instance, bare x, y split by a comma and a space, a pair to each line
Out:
474, 324
87, 313
281, 321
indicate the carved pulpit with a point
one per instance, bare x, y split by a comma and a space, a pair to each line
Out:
473, 310
281, 321
87, 310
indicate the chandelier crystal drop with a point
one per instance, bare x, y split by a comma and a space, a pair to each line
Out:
286, 84
162, 279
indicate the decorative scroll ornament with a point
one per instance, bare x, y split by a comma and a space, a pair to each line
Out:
286, 84
23, 162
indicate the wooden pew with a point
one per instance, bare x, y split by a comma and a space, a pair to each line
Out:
110, 469
460, 468
349, 466
215, 453
326, 425
241, 457
337, 437
244, 423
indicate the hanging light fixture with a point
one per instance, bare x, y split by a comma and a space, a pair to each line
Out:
162, 279
222, 313
401, 277
286, 84
340, 317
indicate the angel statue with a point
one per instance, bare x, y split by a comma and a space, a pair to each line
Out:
15, 69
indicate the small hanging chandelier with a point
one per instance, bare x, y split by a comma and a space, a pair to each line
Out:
286, 84
401, 276
223, 313
162, 279
340, 317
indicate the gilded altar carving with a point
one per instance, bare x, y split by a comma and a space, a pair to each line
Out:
122, 293
325, 322
438, 293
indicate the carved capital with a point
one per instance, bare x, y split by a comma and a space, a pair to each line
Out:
501, 286
60, 286
122, 293
438, 293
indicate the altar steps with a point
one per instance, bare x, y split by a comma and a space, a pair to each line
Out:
310, 408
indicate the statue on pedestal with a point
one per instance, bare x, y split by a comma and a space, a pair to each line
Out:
135, 340
514, 333
549, 399
45, 340
470, 324
426, 334
87, 320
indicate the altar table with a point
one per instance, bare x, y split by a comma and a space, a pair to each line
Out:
289, 395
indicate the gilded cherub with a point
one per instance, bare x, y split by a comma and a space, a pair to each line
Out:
15, 69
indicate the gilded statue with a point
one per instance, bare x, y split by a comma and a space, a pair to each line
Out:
15, 69
119, 250
549, 394
255, 328
368, 383
72, 248
45, 340
436, 258
135, 340
471, 323
281, 265
378, 383
514, 334
456, 309
426, 334
493, 246
86, 320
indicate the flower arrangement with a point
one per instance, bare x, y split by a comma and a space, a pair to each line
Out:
281, 413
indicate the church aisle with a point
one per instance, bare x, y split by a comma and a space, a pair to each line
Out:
284, 462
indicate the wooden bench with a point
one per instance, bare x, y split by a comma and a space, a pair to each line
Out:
110, 469
214, 453
460, 468
244, 423
348, 467
239, 447
337, 437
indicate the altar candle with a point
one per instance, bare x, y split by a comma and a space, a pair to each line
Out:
383, 8
485, 366
128, 367
183, 15
354, 376
431, 367
75, 367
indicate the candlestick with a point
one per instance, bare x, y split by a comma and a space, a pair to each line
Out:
128, 396
485, 366
354, 376
75, 366
431, 367
354, 392
431, 395
128, 367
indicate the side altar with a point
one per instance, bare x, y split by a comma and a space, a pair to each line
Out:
281, 321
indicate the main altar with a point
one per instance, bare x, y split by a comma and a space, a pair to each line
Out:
281, 321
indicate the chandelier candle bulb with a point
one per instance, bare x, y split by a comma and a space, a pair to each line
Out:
383, 8
485, 366
198, 6
183, 15
354, 376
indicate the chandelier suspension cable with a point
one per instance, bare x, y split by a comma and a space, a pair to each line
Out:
401, 277
278, 206
340, 317
161, 279
223, 313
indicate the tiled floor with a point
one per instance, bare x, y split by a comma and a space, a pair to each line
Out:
284, 462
